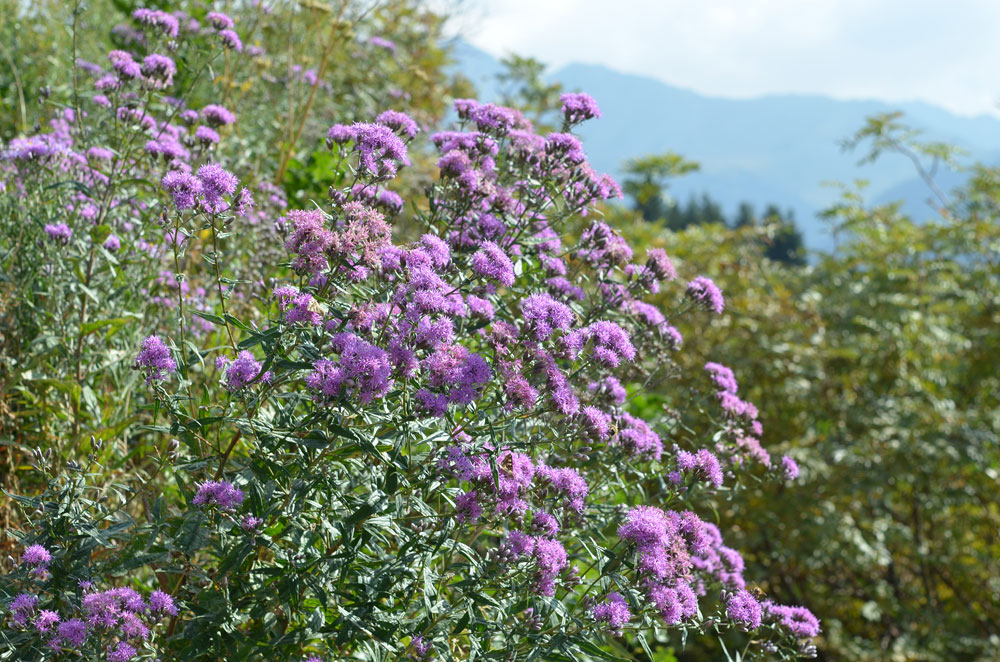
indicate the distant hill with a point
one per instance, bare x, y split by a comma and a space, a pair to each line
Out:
783, 149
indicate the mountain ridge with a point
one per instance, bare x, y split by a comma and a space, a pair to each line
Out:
780, 148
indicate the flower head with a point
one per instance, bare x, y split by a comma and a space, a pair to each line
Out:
154, 357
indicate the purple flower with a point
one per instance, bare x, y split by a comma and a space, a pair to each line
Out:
310, 239
596, 422
72, 633
707, 293
436, 248
636, 436
457, 373
112, 244
216, 181
544, 523
611, 343
219, 21
565, 146
579, 107
21, 607
703, 464
184, 188
799, 621
790, 467
363, 371
251, 523
744, 609
467, 508
400, 122
304, 308
340, 134
123, 63
206, 136
380, 150
221, 493
160, 602
550, 559
660, 265
245, 370
381, 42
391, 201
543, 316
59, 232
231, 40
45, 620
159, 68
217, 115
613, 611
123, 652
492, 263
100, 154
645, 526
154, 357
36, 555
159, 19
419, 649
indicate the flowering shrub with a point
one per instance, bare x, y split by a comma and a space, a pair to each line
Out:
374, 449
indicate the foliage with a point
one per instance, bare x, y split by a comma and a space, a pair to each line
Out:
875, 366
260, 429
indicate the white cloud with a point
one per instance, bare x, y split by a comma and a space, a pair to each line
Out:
894, 50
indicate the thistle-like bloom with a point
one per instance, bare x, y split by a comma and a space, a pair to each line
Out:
163, 603
123, 63
744, 609
59, 232
159, 19
112, 244
35, 556
245, 370
577, 108
220, 21
660, 265
381, 151
221, 493
790, 467
706, 292
159, 69
399, 122
362, 372
154, 357
310, 239
184, 187
123, 652
613, 611
72, 633
492, 263
543, 316
340, 134
799, 621
231, 40
216, 182
703, 464
206, 136
217, 115
45, 620
22, 607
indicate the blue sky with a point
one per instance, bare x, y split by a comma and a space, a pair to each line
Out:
944, 53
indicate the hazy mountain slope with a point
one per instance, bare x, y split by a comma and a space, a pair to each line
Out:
778, 149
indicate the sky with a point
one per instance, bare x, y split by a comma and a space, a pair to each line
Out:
944, 52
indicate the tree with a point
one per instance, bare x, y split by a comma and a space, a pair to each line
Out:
646, 179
